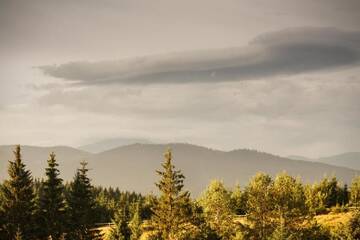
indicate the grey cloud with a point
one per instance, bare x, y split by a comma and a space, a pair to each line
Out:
286, 52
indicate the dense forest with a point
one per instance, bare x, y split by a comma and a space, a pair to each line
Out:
266, 208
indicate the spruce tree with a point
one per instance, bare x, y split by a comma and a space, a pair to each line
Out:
52, 205
170, 218
81, 206
135, 223
120, 229
18, 201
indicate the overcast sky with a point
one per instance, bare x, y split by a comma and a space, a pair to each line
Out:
270, 75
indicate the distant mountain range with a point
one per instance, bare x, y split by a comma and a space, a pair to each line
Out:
132, 167
108, 144
349, 160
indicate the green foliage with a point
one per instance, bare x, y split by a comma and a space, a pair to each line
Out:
238, 200
135, 224
260, 205
218, 210
52, 202
355, 192
120, 230
170, 217
343, 196
288, 202
18, 200
270, 209
81, 206
325, 194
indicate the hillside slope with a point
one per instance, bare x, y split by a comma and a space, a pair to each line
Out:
349, 160
35, 159
133, 167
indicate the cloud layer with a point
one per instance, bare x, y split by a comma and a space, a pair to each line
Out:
286, 52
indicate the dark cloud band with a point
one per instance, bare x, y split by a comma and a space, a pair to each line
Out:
287, 52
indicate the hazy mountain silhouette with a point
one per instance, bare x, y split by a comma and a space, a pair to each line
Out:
349, 160
108, 144
35, 159
302, 158
133, 167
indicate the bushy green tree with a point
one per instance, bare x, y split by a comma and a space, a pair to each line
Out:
120, 229
170, 217
260, 206
18, 200
81, 206
355, 192
289, 204
343, 195
315, 199
238, 200
324, 195
52, 202
331, 190
218, 210
135, 223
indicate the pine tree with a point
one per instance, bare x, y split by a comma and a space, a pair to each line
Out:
81, 206
120, 229
2, 216
135, 224
170, 218
52, 204
18, 201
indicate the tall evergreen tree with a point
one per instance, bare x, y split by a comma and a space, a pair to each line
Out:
18, 201
120, 229
135, 223
81, 206
170, 218
52, 205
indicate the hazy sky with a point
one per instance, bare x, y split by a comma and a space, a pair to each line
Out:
270, 75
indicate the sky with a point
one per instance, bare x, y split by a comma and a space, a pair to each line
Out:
272, 75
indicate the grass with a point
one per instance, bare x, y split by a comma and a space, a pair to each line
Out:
332, 220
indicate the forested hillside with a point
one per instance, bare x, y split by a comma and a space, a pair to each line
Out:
131, 167
281, 207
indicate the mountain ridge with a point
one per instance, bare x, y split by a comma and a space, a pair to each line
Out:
348, 159
132, 167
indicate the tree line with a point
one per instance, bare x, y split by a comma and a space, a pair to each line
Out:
266, 208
